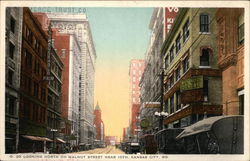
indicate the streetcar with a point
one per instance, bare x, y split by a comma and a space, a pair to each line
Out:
214, 135
166, 142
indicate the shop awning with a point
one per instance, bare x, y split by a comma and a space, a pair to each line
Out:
37, 138
60, 140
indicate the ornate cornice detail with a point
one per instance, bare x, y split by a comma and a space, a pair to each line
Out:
228, 61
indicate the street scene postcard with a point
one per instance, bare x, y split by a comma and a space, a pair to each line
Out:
124, 80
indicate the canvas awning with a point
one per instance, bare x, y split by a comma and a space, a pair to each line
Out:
60, 140
37, 138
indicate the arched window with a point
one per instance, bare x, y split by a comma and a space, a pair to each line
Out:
204, 58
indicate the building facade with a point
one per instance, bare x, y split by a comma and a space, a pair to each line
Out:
136, 68
13, 45
33, 86
99, 125
192, 78
151, 83
55, 84
231, 58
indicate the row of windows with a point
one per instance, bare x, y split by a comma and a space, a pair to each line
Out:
53, 121
177, 73
32, 111
33, 88
204, 27
34, 42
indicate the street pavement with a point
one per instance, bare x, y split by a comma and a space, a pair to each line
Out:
107, 150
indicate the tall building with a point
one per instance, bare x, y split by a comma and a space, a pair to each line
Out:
160, 24
136, 68
192, 78
231, 58
33, 86
74, 20
13, 42
99, 125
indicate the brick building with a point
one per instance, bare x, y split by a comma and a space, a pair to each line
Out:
136, 68
33, 87
192, 83
231, 58
55, 85
99, 125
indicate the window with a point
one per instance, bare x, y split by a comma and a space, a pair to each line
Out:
241, 29
166, 106
133, 79
171, 81
185, 64
177, 73
11, 50
171, 53
133, 92
11, 105
204, 58
12, 24
204, 23
178, 43
133, 99
134, 72
172, 104
166, 62
185, 31
53, 43
10, 76
205, 89
178, 100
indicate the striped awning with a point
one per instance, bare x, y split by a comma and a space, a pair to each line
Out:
37, 138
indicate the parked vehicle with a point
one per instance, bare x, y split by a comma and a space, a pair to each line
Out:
148, 144
166, 142
214, 135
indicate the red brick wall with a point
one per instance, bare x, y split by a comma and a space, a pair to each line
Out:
97, 122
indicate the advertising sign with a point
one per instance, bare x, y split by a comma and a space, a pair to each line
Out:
170, 13
152, 105
195, 82
192, 96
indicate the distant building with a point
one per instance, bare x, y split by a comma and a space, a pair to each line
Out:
99, 125
136, 68
13, 42
192, 78
110, 140
230, 24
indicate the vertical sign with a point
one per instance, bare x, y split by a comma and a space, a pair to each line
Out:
170, 14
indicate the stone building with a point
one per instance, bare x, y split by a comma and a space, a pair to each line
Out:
231, 58
33, 86
192, 82
13, 45
136, 68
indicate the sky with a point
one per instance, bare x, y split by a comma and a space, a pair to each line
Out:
119, 34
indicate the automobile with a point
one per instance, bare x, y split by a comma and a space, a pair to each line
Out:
166, 142
134, 148
213, 135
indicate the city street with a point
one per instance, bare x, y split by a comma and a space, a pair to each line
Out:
107, 150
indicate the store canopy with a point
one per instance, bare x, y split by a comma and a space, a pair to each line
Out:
60, 140
37, 138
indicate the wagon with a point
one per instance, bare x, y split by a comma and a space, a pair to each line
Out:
214, 135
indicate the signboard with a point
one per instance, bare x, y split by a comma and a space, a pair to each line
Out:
59, 9
192, 96
170, 13
144, 123
152, 105
195, 82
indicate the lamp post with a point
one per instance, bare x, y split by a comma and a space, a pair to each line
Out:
53, 133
